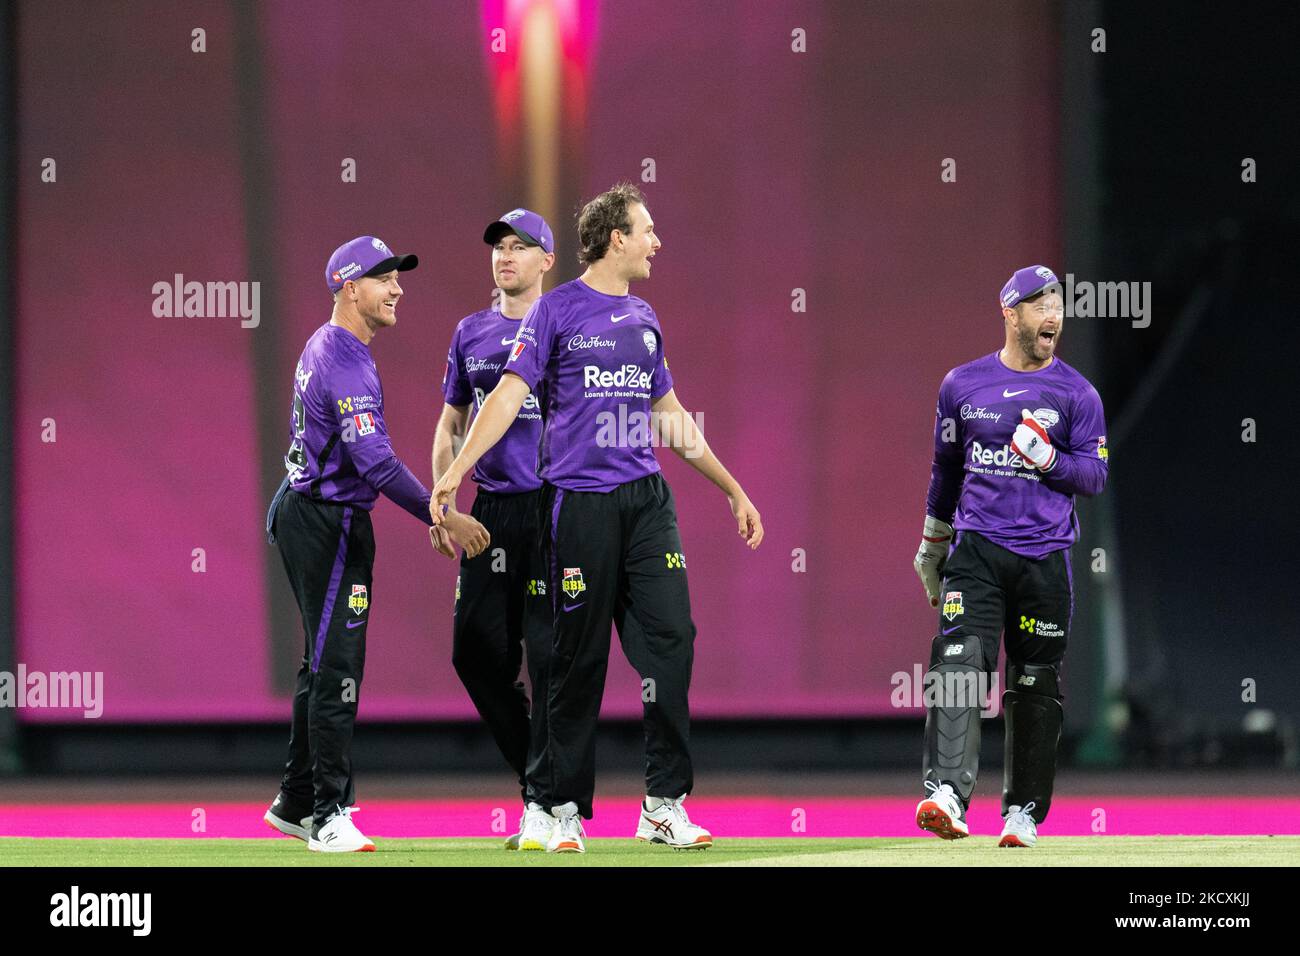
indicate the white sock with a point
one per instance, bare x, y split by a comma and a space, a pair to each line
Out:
653, 803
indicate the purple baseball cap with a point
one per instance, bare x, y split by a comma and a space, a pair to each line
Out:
528, 226
364, 256
1028, 281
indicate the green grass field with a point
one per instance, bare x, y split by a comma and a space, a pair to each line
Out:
922, 851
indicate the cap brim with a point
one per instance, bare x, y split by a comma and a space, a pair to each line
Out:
401, 263
493, 233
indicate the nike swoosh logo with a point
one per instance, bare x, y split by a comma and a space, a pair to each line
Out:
1006, 394
573, 607
949, 630
352, 624
507, 341
619, 318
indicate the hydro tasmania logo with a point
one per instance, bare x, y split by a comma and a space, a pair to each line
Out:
1040, 628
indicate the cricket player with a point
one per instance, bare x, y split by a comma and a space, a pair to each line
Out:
594, 356
488, 622
1018, 433
339, 461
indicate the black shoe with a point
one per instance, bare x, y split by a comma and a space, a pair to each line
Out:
287, 819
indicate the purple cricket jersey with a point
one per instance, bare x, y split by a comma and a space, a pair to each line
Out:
596, 362
479, 348
1001, 497
339, 449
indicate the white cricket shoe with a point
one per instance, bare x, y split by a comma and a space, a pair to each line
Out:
567, 834
668, 823
1020, 828
941, 812
339, 834
290, 825
534, 829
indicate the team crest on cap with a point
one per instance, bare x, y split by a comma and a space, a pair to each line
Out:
513, 215
360, 599
648, 338
1045, 273
573, 585
379, 244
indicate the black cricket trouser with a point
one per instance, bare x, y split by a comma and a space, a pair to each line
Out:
613, 557
999, 592
488, 620
990, 594
329, 554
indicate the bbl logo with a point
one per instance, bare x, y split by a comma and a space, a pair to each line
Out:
952, 605
359, 600
573, 585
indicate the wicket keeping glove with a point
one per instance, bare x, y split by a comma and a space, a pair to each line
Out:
1031, 443
936, 536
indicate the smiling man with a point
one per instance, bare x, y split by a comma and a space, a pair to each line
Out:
1018, 433
339, 462
491, 594
612, 551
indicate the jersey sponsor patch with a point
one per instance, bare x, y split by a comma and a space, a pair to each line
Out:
1047, 417
952, 605
517, 351
365, 423
1040, 628
1102, 452
573, 585
648, 338
359, 600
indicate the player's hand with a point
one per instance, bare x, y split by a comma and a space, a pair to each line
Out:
748, 522
466, 532
1031, 443
442, 542
936, 536
444, 495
